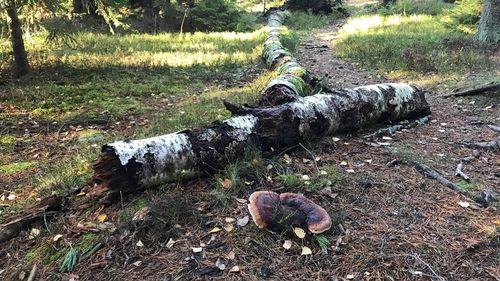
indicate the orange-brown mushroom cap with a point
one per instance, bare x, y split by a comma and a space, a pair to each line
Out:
262, 207
317, 219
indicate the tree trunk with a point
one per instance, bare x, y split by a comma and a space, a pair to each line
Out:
489, 25
85, 6
385, 3
16, 37
128, 166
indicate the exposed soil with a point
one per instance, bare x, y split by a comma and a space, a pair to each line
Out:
396, 223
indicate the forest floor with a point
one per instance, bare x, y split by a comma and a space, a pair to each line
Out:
390, 222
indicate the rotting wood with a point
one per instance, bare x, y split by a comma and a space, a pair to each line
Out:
45, 208
129, 166
474, 91
433, 174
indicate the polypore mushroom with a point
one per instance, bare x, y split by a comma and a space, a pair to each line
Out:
316, 218
272, 211
263, 207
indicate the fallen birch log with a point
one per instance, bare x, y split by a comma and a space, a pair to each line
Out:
129, 166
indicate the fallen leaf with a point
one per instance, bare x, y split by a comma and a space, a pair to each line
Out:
72, 277
170, 243
299, 232
227, 183
102, 217
231, 255
34, 233
220, 264
288, 244
197, 249
464, 204
243, 221
141, 214
328, 192
2, 198
287, 159
235, 269
228, 228
139, 244
57, 237
306, 251
215, 230
241, 200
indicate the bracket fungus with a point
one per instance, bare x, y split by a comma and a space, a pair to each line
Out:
276, 212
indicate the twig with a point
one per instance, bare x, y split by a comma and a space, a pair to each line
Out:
433, 174
460, 173
312, 156
89, 253
474, 91
495, 128
487, 145
32, 273
417, 257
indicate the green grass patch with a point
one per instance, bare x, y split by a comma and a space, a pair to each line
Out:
467, 185
7, 139
415, 37
307, 21
10, 169
418, 43
407, 7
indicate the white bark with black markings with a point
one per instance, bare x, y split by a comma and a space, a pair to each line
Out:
138, 164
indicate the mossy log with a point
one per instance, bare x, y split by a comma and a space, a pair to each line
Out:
129, 166
293, 80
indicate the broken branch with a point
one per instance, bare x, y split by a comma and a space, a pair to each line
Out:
433, 174
460, 173
474, 91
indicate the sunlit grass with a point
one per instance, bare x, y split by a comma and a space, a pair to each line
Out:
105, 77
418, 43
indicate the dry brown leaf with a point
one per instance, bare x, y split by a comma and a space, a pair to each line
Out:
215, 230
228, 228
235, 269
306, 251
288, 244
101, 217
299, 232
226, 183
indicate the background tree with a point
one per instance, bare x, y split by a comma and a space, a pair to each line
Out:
489, 24
16, 37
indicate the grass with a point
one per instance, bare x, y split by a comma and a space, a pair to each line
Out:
10, 169
414, 38
107, 77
